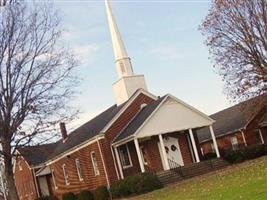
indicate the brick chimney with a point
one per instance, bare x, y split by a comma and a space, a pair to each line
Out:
63, 131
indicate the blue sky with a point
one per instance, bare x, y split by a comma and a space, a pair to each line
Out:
163, 41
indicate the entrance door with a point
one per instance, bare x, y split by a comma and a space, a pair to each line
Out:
173, 152
43, 186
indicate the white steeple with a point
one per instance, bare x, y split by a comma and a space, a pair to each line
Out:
128, 82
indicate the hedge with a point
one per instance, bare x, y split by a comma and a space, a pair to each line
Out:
102, 193
247, 153
85, 195
69, 196
137, 184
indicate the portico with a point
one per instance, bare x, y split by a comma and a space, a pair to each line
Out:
164, 140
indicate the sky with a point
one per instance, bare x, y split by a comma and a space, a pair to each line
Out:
163, 41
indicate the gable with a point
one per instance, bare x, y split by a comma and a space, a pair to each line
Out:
173, 115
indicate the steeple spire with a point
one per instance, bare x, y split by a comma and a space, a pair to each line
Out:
122, 60
128, 82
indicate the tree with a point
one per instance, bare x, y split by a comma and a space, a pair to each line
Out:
36, 78
236, 34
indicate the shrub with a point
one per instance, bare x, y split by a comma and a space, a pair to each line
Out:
209, 156
86, 195
137, 184
69, 196
251, 152
47, 198
102, 193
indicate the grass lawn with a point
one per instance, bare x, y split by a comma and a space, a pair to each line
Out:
243, 181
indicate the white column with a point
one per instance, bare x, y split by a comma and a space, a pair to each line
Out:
262, 140
140, 159
194, 145
165, 159
214, 142
119, 162
244, 139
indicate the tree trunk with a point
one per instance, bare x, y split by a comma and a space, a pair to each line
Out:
11, 192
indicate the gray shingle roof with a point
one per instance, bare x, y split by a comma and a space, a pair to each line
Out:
36, 155
138, 120
233, 118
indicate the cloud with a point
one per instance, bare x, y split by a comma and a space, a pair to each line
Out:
86, 54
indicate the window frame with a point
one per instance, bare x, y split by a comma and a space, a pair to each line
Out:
128, 154
79, 169
54, 178
66, 174
95, 164
234, 146
258, 131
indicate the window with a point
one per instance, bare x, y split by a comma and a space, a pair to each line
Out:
66, 175
144, 155
259, 138
79, 169
54, 178
95, 165
19, 165
234, 142
125, 156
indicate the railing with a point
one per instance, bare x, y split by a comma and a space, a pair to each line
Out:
174, 166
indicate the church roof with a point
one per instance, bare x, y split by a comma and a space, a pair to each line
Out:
233, 118
36, 155
138, 120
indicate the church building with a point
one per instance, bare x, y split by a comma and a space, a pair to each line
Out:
140, 132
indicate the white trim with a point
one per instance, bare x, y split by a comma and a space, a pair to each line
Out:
194, 145
129, 102
54, 179
140, 158
123, 141
142, 154
129, 156
66, 174
103, 163
118, 161
75, 148
95, 164
214, 141
178, 101
79, 169
244, 139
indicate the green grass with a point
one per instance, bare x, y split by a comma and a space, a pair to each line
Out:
243, 181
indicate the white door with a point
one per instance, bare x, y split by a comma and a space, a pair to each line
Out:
173, 152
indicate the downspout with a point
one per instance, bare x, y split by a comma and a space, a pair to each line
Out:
243, 136
104, 165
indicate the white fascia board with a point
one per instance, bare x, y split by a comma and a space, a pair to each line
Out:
126, 106
75, 148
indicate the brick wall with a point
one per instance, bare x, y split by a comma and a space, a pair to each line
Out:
116, 128
224, 143
22, 176
90, 181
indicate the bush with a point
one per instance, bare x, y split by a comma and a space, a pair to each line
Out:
86, 195
69, 196
47, 198
251, 152
102, 193
209, 156
137, 184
